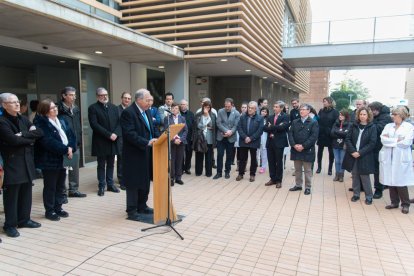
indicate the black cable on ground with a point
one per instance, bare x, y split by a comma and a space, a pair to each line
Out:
114, 244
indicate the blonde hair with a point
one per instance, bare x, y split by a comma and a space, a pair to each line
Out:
401, 111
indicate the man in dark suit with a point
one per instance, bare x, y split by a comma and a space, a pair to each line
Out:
104, 120
189, 120
250, 130
277, 128
227, 121
125, 102
138, 136
17, 137
177, 144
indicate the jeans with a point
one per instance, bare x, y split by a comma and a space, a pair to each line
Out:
108, 177
339, 157
224, 145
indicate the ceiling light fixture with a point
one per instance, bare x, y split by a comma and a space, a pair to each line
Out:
275, 82
264, 78
248, 70
98, 52
62, 61
161, 67
224, 59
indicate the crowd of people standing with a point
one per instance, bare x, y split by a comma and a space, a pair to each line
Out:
372, 139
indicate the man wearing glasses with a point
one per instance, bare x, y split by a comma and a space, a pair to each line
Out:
17, 137
303, 134
104, 121
68, 110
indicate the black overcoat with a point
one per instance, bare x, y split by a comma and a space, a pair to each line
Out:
17, 151
255, 131
277, 133
104, 121
136, 154
366, 163
49, 150
338, 135
305, 134
327, 117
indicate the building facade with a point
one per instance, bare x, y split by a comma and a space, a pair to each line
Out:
195, 48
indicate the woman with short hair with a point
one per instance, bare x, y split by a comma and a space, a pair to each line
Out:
359, 158
58, 140
395, 158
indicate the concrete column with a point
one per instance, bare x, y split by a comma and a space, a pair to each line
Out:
138, 77
177, 79
120, 79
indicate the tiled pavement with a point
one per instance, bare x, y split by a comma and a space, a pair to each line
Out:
230, 227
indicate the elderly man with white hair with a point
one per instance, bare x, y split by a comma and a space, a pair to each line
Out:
17, 138
250, 130
138, 135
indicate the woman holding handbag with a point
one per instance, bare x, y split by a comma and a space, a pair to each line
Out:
205, 139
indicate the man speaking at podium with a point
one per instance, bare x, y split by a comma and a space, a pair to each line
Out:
138, 135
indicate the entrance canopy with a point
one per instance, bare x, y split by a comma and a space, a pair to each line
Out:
52, 24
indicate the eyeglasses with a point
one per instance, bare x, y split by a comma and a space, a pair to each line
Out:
126, 98
103, 95
53, 107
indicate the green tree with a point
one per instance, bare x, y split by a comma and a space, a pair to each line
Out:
346, 89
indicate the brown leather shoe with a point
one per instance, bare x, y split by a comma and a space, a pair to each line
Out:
270, 183
239, 177
251, 178
278, 185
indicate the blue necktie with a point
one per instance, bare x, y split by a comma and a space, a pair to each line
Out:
147, 123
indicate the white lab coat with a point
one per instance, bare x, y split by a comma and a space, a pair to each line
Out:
395, 158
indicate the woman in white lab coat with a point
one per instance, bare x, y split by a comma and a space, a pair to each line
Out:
396, 162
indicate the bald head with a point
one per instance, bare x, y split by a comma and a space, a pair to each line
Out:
183, 105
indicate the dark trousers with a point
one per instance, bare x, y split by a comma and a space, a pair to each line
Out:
377, 185
74, 173
188, 156
119, 168
17, 202
208, 156
244, 154
54, 185
275, 162
398, 194
224, 145
177, 157
331, 156
137, 198
107, 177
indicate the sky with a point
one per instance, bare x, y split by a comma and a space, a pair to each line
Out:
387, 91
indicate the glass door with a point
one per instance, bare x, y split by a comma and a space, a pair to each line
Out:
91, 77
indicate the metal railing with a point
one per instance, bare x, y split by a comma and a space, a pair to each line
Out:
374, 29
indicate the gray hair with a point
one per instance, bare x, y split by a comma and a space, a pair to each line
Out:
281, 104
101, 89
140, 93
305, 105
253, 103
5, 96
184, 100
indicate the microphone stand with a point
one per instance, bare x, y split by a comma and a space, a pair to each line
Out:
168, 221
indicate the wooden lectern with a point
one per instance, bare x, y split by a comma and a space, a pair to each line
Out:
160, 176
